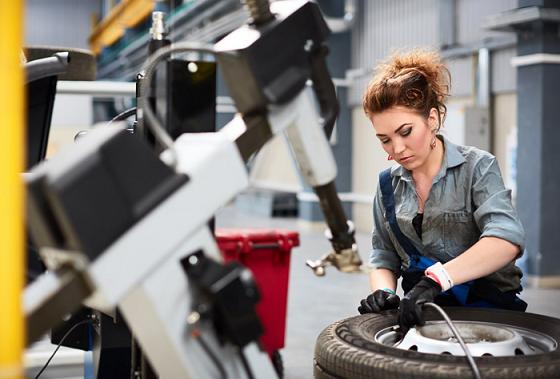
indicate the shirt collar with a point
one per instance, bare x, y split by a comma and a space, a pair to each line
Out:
452, 158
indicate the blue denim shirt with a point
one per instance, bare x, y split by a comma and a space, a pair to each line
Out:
467, 201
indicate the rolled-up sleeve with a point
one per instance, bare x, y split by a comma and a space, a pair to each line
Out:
495, 215
383, 253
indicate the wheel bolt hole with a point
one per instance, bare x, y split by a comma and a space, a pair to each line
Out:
487, 355
413, 348
519, 352
446, 353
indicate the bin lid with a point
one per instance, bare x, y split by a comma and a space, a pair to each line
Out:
285, 239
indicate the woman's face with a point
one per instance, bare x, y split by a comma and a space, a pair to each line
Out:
405, 135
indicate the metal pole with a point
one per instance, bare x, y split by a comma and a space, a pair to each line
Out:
11, 201
483, 78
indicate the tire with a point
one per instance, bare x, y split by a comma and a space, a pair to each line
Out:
347, 349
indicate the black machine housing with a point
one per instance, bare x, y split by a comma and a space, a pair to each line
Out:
271, 63
227, 294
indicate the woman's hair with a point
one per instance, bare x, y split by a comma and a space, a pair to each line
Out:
416, 79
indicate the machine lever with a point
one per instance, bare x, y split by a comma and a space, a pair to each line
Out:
323, 87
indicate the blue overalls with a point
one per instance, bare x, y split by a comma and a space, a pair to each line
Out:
476, 293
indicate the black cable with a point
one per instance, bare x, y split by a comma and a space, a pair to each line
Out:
60, 344
459, 338
123, 115
210, 353
245, 363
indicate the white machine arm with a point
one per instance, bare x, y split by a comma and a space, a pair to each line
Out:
275, 97
158, 309
140, 271
317, 165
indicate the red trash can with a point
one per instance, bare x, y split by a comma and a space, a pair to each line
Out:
266, 253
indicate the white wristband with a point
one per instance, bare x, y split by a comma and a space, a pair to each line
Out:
443, 278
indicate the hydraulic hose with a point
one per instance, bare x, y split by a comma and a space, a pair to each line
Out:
455, 332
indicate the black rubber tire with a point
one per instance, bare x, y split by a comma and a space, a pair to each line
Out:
346, 349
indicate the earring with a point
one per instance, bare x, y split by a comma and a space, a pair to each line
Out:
389, 157
433, 143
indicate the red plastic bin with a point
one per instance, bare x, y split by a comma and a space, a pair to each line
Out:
266, 253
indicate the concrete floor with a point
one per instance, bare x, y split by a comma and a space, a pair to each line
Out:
313, 302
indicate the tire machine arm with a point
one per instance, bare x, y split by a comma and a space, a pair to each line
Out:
269, 66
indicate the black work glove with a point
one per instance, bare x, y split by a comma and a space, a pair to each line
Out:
378, 301
410, 309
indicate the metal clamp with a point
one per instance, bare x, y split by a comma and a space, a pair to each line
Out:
347, 260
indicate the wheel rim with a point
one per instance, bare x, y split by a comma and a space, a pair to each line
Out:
482, 339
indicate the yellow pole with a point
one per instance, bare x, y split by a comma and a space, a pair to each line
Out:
11, 187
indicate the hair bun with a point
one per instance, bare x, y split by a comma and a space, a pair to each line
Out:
417, 79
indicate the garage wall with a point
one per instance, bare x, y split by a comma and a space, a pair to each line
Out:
505, 136
274, 168
471, 15
369, 159
504, 75
59, 22
383, 26
454, 127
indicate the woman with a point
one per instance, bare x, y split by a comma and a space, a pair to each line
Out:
442, 217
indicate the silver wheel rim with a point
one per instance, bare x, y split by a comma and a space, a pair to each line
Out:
482, 339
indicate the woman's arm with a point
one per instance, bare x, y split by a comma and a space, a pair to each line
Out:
485, 257
502, 236
382, 278
384, 261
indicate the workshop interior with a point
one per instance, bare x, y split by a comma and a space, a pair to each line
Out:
189, 187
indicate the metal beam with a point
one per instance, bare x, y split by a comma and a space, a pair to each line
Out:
127, 14
97, 88
520, 18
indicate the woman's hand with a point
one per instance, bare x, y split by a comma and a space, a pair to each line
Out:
378, 301
410, 309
